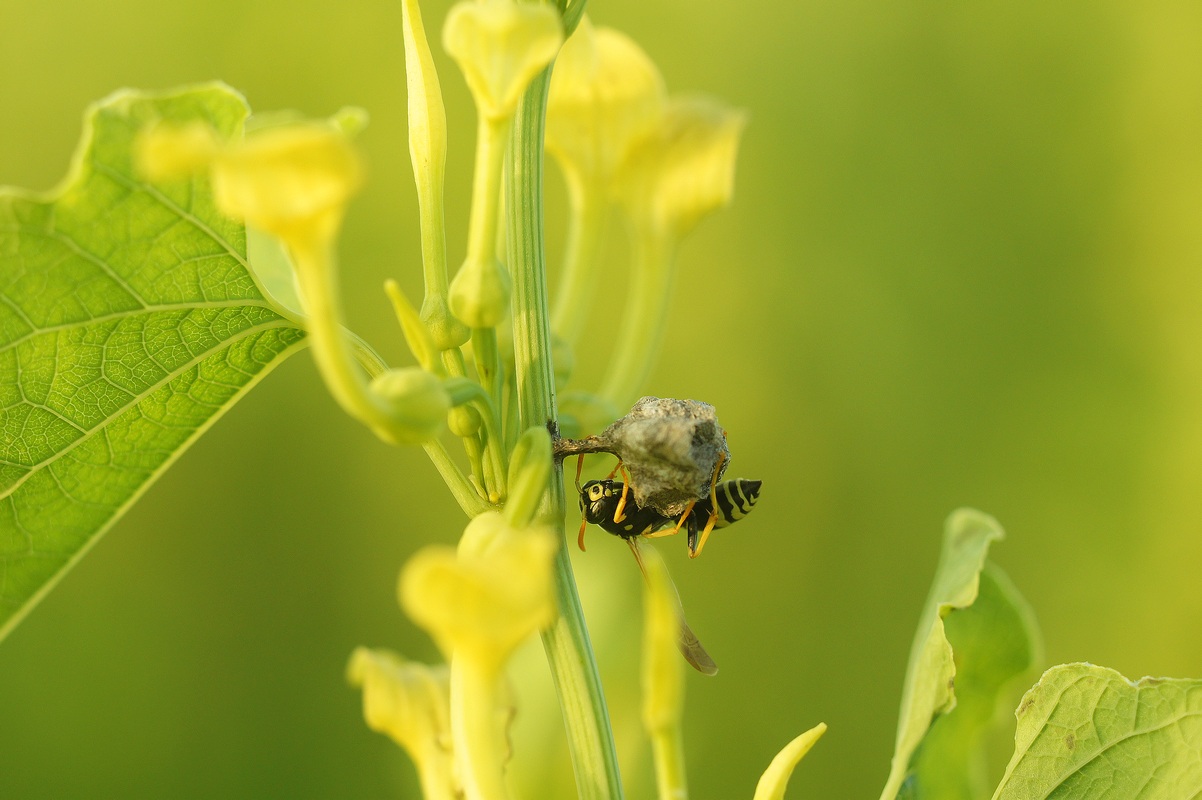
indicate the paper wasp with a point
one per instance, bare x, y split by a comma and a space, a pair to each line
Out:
606, 503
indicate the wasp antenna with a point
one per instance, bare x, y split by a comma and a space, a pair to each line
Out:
580, 536
579, 467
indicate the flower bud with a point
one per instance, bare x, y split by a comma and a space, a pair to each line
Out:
479, 293
501, 45
417, 402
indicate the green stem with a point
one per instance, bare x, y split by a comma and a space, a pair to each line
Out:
569, 652
643, 323
465, 494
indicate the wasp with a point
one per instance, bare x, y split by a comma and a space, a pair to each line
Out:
606, 503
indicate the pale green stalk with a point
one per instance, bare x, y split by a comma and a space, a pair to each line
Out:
465, 494
645, 318
569, 652
335, 359
667, 747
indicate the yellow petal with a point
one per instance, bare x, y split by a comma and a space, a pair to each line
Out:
605, 94
169, 152
775, 779
685, 168
501, 45
409, 702
482, 601
292, 181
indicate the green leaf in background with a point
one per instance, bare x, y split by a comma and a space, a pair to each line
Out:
994, 643
1088, 732
930, 676
129, 321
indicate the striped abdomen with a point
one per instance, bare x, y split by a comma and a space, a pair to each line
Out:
736, 498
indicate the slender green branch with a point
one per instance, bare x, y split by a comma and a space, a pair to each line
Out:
569, 652
465, 494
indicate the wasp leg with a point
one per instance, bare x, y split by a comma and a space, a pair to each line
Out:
620, 511
687, 511
713, 518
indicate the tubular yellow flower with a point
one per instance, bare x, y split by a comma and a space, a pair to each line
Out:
605, 94
501, 45
293, 182
485, 599
170, 152
410, 703
685, 168
479, 603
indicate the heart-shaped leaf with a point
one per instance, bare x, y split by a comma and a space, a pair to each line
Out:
130, 319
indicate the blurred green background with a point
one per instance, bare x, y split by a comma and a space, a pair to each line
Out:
963, 267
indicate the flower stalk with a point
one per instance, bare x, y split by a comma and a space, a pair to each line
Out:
569, 651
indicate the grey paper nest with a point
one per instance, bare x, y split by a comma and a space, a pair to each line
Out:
670, 449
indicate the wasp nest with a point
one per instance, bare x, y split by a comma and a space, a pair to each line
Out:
670, 448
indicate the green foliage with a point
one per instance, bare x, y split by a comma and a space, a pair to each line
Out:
994, 643
129, 321
975, 637
1088, 732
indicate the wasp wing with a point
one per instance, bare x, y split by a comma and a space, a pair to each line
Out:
686, 641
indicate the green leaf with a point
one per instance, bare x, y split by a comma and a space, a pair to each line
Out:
1088, 732
994, 642
129, 321
928, 689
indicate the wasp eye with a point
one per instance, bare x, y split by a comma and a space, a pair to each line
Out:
595, 493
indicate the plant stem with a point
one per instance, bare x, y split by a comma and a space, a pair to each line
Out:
569, 652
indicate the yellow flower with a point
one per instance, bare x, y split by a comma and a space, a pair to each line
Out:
479, 603
685, 168
605, 94
293, 181
501, 45
410, 703
482, 601
169, 152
